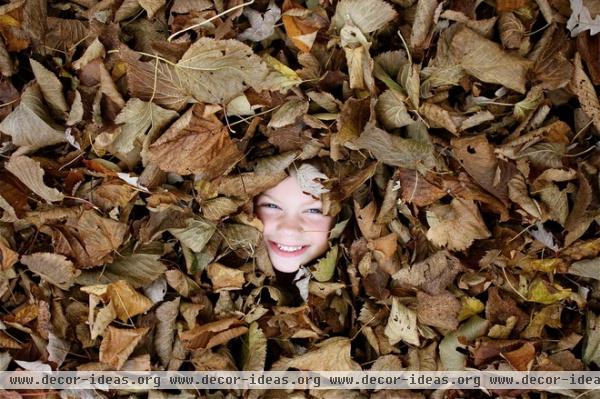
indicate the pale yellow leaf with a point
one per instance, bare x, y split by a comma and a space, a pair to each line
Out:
29, 124
216, 71
164, 336
254, 349
391, 110
54, 268
402, 324
368, 16
104, 317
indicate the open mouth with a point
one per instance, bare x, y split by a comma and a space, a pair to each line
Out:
287, 250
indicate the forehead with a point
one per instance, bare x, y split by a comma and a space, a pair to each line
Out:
289, 190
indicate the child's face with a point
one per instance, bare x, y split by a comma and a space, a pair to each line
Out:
295, 231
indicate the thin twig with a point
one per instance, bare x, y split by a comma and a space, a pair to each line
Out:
8, 103
83, 200
580, 153
242, 119
582, 130
510, 284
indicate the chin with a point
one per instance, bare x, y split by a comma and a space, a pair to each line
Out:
286, 268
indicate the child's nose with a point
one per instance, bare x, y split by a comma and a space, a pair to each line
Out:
290, 225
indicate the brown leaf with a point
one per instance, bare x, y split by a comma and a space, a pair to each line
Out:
511, 5
118, 344
551, 67
299, 24
352, 119
438, 117
521, 359
486, 61
332, 354
588, 46
8, 342
582, 249
422, 23
489, 350
578, 222
499, 308
54, 268
432, 275
477, 157
65, 32
85, 236
395, 150
446, 220
214, 333
153, 80
512, 30
518, 192
32, 175
223, 277
365, 218
196, 143
8, 257
416, 189
250, 184
126, 300
166, 314
209, 360
113, 193
402, 324
360, 63
438, 310
585, 91
291, 322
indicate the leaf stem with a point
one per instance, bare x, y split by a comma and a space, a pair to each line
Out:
406, 47
208, 20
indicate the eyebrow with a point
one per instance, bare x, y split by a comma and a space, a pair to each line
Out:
311, 201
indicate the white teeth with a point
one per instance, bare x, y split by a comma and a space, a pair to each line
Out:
287, 248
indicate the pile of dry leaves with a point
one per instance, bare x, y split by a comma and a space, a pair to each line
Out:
461, 138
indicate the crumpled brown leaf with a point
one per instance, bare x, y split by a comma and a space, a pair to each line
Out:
85, 236
460, 215
196, 143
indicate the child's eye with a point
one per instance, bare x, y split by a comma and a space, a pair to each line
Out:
315, 211
269, 205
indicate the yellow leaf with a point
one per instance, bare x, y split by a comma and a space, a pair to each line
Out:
543, 292
280, 67
549, 265
326, 266
470, 307
7, 20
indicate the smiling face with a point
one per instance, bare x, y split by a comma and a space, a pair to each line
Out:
295, 230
